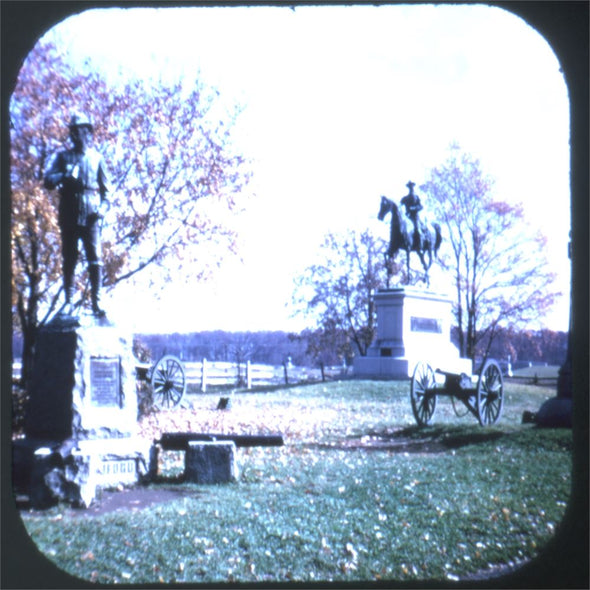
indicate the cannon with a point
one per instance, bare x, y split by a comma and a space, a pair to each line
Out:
179, 441
167, 379
484, 401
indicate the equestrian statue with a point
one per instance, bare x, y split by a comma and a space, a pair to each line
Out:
410, 232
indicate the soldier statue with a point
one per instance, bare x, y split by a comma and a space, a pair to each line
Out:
413, 206
80, 175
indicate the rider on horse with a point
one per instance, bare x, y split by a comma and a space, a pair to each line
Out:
413, 206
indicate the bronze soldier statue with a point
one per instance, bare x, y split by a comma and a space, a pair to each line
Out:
413, 206
81, 176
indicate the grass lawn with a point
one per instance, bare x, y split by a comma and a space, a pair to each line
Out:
357, 493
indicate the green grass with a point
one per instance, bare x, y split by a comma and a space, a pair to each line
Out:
541, 372
322, 509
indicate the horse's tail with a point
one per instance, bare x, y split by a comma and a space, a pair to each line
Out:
438, 238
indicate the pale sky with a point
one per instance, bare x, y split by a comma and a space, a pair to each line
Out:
343, 105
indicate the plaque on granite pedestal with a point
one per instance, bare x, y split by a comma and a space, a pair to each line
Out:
105, 383
83, 383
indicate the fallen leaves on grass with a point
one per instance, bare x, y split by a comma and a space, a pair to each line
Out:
382, 514
301, 419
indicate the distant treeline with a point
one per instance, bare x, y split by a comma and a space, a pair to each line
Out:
275, 348
542, 346
272, 348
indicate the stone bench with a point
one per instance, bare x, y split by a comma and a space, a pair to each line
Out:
210, 462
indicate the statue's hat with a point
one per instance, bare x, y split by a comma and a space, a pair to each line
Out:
411, 184
80, 120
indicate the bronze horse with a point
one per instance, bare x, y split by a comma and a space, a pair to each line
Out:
402, 237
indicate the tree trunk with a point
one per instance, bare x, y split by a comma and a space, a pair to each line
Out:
471, 335
28, 323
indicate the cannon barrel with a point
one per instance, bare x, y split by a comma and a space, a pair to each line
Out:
179, 441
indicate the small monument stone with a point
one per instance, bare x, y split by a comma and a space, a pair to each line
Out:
211, 462
557, 412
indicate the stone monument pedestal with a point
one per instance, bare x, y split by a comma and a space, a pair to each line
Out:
413, 325
81, 420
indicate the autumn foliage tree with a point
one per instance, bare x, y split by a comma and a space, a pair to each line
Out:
496, 261
175, 173
338, 292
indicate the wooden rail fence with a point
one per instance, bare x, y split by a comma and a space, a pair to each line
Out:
248, 374
206, 373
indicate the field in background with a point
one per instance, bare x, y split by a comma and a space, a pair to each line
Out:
252, 375
228, 374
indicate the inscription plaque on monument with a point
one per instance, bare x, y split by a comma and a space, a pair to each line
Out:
117, 471
432, 325
105, 386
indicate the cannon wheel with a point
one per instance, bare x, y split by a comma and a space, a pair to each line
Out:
423, 404
168, 382
490, 394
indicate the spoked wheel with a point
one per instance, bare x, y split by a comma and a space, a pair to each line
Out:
490, 394
168, 382
421, 393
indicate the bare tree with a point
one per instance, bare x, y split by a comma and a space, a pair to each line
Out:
175, 172
498, 263
338, 291
242, 346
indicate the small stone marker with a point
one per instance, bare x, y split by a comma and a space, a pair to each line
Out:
210, 462
224, 403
